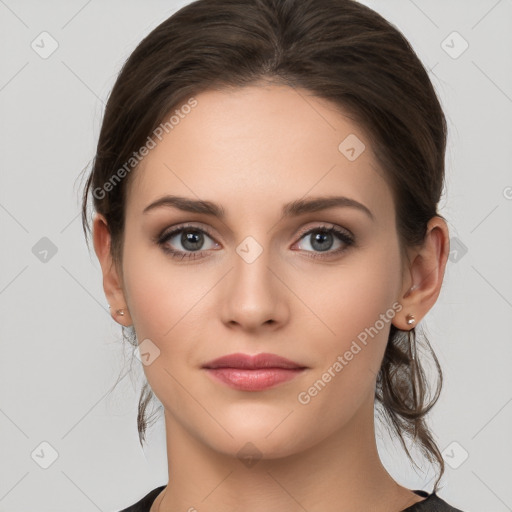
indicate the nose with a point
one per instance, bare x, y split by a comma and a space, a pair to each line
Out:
254, 294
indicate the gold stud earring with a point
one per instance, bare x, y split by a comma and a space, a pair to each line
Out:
410, 319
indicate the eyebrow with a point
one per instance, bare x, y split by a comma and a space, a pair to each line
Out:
294, 208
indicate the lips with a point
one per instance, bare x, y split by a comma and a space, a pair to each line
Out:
248, 362
253, 373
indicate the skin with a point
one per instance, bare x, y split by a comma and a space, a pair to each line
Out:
252, 150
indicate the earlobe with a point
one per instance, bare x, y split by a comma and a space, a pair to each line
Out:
410, 319
112, 283
426, 274
118, 315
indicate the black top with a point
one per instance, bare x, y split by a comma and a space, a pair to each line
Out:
433, 503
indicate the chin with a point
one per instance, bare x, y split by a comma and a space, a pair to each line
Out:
254, 446
262, 438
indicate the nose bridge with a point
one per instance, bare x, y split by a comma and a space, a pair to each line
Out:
253, 296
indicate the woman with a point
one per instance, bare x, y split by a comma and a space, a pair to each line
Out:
266, 186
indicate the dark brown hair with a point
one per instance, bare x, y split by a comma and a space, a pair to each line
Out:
338, 50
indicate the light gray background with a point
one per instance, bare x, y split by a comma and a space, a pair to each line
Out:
60, 350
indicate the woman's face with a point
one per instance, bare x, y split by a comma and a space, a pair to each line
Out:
253, 281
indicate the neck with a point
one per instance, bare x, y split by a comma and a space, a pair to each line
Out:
341, 473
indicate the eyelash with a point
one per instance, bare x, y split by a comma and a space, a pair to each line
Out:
342, 235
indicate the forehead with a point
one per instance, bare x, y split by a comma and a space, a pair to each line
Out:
260, 146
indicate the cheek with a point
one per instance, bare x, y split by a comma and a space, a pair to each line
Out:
165, 306
158, 291
356, 309
352, 297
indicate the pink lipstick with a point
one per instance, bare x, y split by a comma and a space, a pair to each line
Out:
253, 373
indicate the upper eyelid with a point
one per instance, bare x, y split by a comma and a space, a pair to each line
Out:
326, 226
171, 231
302, 232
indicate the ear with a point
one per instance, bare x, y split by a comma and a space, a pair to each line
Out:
424, 273
112, 283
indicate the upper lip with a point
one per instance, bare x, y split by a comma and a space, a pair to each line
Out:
248, 362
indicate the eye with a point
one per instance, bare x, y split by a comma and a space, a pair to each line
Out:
324, 238
191, 238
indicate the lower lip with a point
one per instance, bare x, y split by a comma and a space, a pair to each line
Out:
254, 380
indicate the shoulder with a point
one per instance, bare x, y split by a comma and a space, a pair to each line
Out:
145, 503
433, 503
